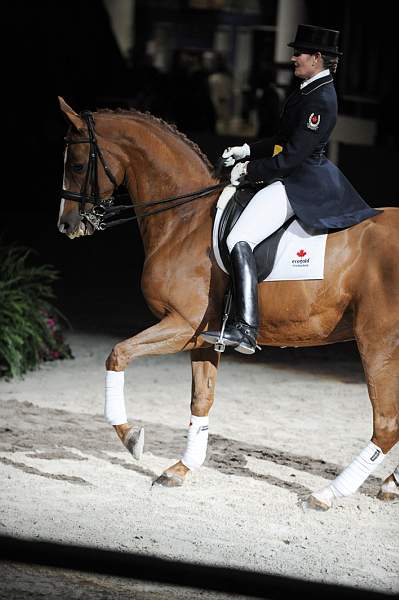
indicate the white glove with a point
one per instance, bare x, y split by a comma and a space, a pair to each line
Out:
237, 172
231, 155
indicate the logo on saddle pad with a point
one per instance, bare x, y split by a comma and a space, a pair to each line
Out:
301, 262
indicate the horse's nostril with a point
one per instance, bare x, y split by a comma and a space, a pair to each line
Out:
68, 223
65, 227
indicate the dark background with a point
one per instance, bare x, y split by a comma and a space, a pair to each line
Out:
67, 48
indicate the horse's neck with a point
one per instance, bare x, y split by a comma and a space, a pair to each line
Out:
162, 165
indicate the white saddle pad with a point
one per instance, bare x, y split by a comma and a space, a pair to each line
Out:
299, 254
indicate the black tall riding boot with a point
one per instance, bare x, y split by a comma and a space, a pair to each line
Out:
242, 333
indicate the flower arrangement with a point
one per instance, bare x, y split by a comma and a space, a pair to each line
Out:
31, 328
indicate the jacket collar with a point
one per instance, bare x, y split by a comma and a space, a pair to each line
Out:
319, 75
297, 93
317, 83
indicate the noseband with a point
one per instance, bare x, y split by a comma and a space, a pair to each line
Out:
103, 207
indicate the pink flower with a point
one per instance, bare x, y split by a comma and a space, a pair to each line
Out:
51, 323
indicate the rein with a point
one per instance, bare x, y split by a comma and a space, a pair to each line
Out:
179, 200
104, 208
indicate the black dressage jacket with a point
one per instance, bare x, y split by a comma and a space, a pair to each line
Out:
319, 193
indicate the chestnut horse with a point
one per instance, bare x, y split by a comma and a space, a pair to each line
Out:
183, 286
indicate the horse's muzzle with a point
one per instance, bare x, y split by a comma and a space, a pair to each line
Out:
73, 226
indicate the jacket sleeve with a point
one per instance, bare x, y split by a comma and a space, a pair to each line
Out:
263, 148
311, 127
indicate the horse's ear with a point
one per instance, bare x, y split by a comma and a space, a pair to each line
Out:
71, 115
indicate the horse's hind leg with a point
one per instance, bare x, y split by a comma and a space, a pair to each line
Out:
383, 384
171, 335
378, 344
390, 487
204, 363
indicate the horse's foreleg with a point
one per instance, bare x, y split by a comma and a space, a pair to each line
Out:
171, 335
379, 350
204, 362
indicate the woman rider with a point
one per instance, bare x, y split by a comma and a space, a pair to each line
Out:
299, 180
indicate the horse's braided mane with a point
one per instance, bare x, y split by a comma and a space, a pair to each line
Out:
132, 112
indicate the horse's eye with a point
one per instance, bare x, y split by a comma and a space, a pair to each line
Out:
77, 168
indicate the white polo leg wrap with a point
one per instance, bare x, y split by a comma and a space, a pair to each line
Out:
114, 409
353, 476
197, 442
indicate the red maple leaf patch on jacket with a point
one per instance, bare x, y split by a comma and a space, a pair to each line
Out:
301, 253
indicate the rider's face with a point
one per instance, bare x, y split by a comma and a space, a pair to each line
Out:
305, 65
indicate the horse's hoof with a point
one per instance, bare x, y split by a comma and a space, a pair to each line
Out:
315, 504
169, 480
387, 496
133, 440
389, 490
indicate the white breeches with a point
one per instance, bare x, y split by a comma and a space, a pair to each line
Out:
265, 213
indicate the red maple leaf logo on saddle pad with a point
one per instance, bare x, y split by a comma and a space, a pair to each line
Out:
301, 253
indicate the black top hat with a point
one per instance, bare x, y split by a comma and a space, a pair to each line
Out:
309, 37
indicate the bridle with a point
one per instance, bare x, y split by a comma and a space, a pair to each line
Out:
103, 208
91, 178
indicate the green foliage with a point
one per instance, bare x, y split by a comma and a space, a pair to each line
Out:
30, 326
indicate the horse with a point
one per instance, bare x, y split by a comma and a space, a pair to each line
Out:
358, 299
